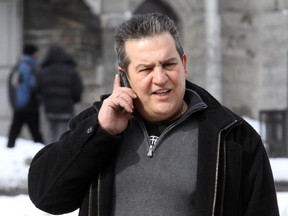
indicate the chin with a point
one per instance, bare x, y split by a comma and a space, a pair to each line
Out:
164, 115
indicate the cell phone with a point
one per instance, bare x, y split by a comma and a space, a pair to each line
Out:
124, 80
124, 83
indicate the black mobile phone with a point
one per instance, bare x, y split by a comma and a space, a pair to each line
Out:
124, 83
124, 80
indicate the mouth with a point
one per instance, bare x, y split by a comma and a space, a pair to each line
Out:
161, 92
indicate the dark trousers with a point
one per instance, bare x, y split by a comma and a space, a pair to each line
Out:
56, 129
31, 118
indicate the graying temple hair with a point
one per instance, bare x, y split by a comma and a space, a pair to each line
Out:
141, 26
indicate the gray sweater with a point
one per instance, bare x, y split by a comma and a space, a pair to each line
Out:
165, 183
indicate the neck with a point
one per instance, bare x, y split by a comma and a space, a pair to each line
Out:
176, 115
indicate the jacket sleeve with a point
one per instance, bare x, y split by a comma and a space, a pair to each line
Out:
60, 173
260, 193
257, 187
249, 184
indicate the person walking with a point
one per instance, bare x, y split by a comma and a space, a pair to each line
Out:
163, 146
60, 88
23, 97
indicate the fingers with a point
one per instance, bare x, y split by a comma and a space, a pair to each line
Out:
124, 105
116, 110
122, 97
117, 82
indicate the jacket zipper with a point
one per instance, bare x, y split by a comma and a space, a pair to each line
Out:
150, 151
229, 126
90, 200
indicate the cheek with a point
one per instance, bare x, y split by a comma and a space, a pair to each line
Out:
176, 78
141, 85
181, 76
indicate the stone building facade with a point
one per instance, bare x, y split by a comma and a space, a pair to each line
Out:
253, 45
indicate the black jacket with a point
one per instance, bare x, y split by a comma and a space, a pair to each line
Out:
234, 176
59, 84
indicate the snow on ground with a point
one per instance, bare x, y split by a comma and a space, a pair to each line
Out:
15, 162
21, 205
13, 176
14, 169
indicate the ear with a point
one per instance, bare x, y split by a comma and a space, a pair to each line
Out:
120, 70
185, 64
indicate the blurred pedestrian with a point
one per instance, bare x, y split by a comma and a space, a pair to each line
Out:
22, 94
60, 87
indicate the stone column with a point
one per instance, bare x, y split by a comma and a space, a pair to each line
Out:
112, 15
213, 49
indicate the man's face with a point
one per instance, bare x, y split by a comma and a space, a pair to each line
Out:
157, 75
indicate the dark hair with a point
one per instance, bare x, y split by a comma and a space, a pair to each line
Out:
141, 26
29, 49
57, 54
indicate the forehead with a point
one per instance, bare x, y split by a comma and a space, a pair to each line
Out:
150, 49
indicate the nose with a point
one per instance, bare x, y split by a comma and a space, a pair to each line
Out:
159, 76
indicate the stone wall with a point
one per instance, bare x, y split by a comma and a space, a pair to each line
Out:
255, 44
254, 41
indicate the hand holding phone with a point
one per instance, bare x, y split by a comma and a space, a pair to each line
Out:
117, 109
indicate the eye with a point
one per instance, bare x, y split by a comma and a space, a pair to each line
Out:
170, 65
146, 70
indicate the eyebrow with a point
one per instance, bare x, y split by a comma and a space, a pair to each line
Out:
151, 65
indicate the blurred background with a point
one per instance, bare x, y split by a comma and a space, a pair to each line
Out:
237, 50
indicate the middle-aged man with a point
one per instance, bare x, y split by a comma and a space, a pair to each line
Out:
164, 147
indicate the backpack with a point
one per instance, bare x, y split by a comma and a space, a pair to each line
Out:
19, 91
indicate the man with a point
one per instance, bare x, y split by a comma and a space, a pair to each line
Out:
60, 88
162, 147
23, 97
